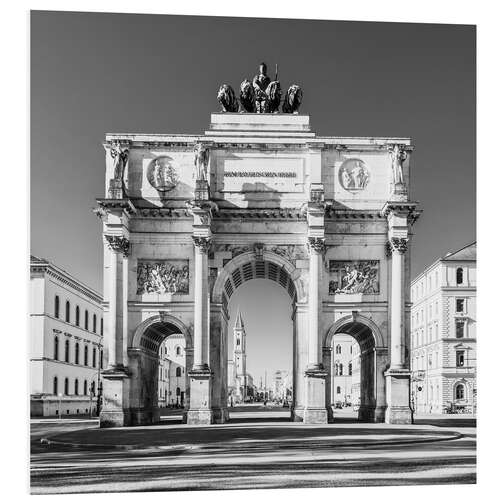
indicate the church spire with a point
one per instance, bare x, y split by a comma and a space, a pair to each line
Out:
239, 321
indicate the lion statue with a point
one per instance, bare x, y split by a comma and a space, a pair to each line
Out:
227, 99
293, 99
247, 97
273, 92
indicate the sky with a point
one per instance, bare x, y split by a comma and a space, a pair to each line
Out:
93, 73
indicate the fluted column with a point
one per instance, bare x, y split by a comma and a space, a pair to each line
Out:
398, 247
201, 301
316, 250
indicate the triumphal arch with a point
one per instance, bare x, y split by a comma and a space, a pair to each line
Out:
187, 219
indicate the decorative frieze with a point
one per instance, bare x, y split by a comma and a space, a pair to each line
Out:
163, 276
118, 244
354, 276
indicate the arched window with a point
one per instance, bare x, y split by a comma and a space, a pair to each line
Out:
94, 323
350, 368
86, 320
66, 386
77, 315
56, 306
338, 350
460, 276
102, 326
93, 357
68, 314
54, 386
178, 350
86, 356
338, 389
460, 391
66, 351
84, 387
178, 371
56, 347
77, 353
76, 387
341, 369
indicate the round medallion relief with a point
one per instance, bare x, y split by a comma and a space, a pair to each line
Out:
354, 175
161, 174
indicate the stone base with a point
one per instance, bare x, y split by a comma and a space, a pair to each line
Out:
297, 414
199, 417
116, 418
220, 415
375, 414
315, 416
398, 415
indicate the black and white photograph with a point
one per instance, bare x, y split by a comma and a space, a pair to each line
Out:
252, 252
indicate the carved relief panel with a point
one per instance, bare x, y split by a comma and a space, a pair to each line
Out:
163, 276
354, 276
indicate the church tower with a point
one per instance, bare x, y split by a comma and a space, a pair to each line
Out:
240, 355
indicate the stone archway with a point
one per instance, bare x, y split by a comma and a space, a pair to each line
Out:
243, 268
374, 363
143, 365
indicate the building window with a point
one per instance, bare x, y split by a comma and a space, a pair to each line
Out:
460, 358
460, 391
66, 351
460, 305
66, 386
84, 387
338, 350
56, 306
92, 388
77, 353
459, 329
101, 358
56, 348
338, 389
460, 276
237, 342
178, 371
93, 357
102, 326
54, 386
86, 356
94, 323
350, 368
178, 350
76, 387
68, 317
86, 320
178, 391
77, 315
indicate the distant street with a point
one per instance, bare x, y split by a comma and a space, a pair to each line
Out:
260, 448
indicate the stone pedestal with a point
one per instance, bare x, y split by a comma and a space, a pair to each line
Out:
200, 404
116, 389
315, 409
398, 397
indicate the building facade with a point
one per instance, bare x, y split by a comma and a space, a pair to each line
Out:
66, 332
283, 385
187, 219
443, 334
345, 378
172, 372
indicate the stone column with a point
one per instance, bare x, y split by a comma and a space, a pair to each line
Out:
315, 408
200, 404
398, 375
327, 363
116, 381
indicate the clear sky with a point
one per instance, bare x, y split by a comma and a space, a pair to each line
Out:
93, 73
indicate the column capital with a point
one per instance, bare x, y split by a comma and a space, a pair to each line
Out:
398, 245
316, 244
118, 244
202, 243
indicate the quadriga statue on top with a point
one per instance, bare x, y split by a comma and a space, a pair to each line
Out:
261, 95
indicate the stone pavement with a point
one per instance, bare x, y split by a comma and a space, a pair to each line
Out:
250, 453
